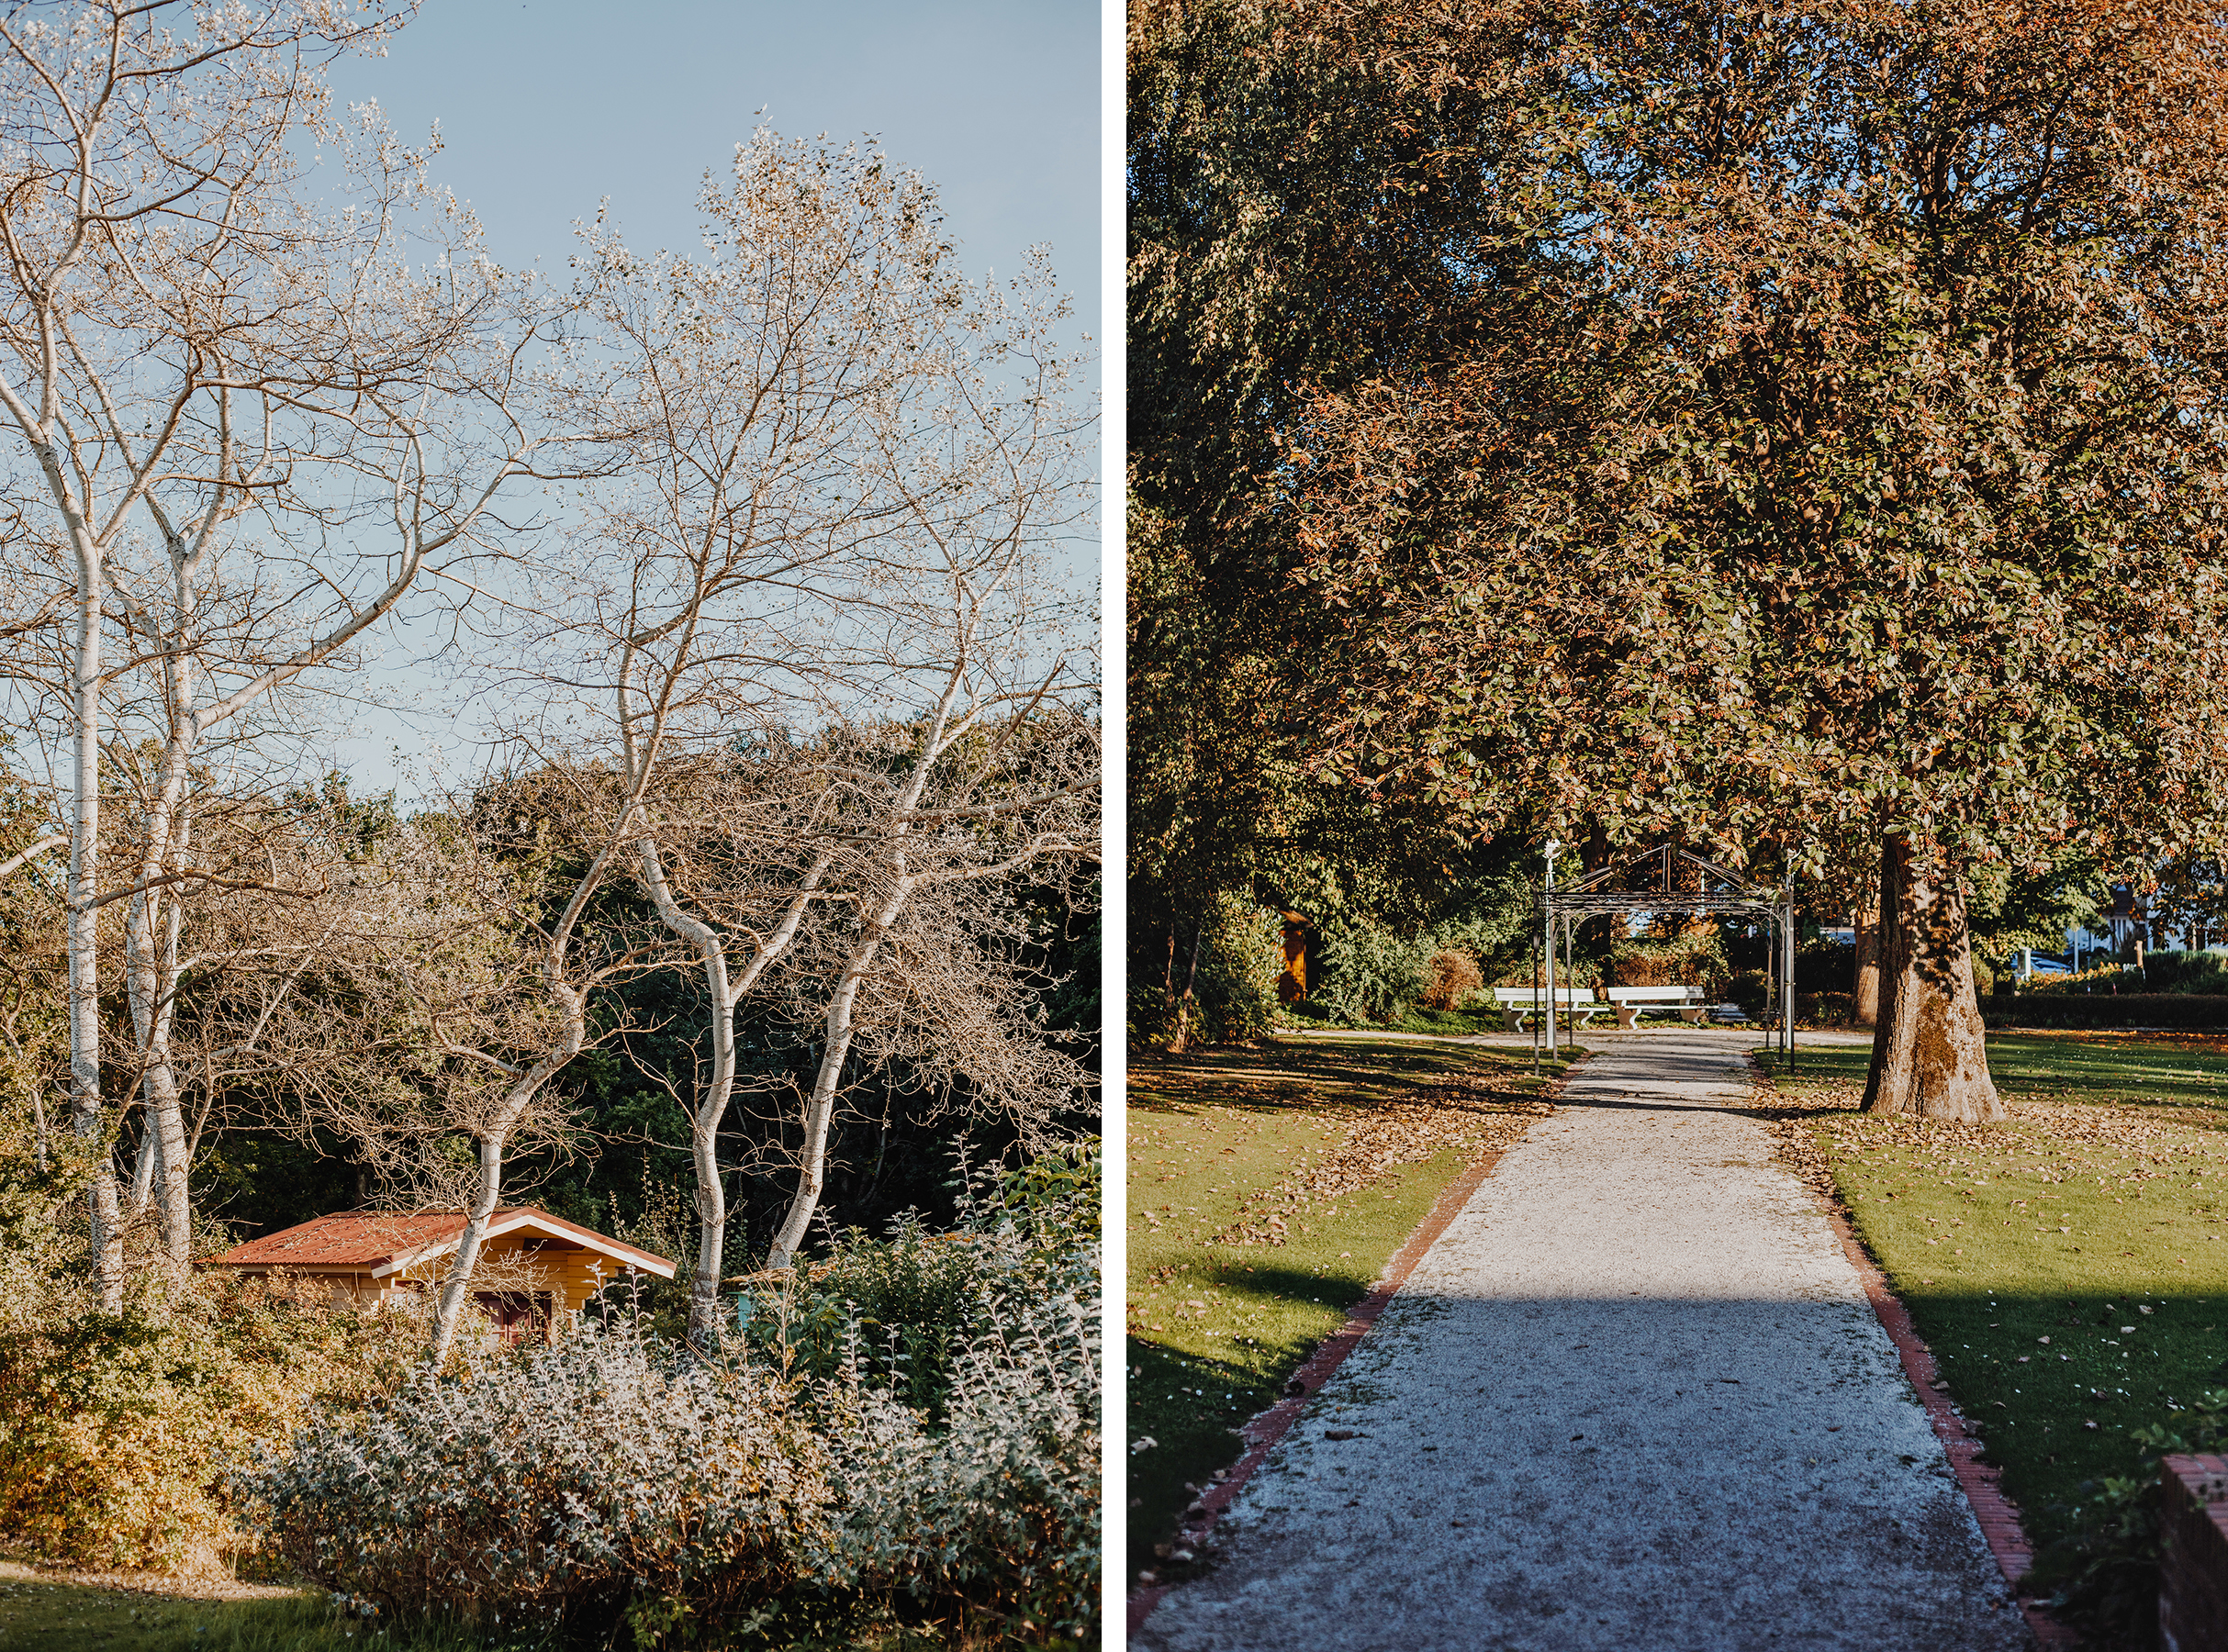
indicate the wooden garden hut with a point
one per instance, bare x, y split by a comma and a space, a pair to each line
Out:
368, 1256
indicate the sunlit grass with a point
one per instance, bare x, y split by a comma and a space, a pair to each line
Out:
38, 1614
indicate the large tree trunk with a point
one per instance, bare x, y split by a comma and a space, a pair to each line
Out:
1928, 1050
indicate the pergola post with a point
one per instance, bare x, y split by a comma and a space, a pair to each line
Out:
1547, 920
1786, 947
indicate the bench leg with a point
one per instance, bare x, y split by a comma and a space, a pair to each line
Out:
1515, 1018
1627, 1018
1692, 1017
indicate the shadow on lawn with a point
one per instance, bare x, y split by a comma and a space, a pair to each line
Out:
1280, 1073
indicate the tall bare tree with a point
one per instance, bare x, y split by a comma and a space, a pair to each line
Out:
469, 955
843, 466
253, 425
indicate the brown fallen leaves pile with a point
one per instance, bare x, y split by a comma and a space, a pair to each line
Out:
1472, 1114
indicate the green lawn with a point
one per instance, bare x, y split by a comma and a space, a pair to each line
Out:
42, 1614
46, 1612
2178, 1070
1260, 1210
2069, 1269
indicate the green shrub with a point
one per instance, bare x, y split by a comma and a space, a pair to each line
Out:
1233, 993
2201, 972
2104, 1576
1751, 988
1823, 967
1239, 961
114, 1428
1370, 973
2105, 1010
2106, 978
894, 1311
1826, 1008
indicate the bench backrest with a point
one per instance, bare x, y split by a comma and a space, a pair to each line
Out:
1524, 995
1655, 995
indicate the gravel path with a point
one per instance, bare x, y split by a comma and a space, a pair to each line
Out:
1633, 1398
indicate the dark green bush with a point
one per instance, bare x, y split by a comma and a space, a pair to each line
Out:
1751, 988
901, 1308
2186, 972
1824, 966
1232, 992
2105, 1010
1372, 974
2103, 1578
1826, 1008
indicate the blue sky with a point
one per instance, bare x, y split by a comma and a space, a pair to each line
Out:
547, 107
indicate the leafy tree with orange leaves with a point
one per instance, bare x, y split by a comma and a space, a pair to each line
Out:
1849, 468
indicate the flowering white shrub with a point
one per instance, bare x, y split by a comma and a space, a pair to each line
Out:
1000, 1499
961, 1418
938, 1440
567, 1478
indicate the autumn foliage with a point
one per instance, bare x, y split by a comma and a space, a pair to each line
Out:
1801, 432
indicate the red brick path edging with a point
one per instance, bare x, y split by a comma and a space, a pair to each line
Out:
1981, 1482
1261, 1434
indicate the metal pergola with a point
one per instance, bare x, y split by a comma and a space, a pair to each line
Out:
1665, 878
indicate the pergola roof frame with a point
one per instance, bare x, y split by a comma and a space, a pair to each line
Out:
1721, 889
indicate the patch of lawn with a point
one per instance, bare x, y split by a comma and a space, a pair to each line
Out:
1268, 1188
43, 1612
1457, 1022
2069, 1269
2155, 1069
37, 1615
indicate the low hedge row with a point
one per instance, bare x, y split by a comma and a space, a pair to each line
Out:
2105, 1010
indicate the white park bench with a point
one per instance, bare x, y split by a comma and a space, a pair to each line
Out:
1574, 1003
1632, 1002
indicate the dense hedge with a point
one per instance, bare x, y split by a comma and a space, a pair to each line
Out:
2105, 1010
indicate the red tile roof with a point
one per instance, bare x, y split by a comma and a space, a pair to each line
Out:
373, 1240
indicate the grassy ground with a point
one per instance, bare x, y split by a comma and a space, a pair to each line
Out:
40, 1614
2068, 1268
43, 1611
1268, 1188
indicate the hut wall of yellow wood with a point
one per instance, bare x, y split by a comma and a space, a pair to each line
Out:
559, 1266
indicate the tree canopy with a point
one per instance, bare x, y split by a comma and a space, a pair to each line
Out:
1827, 453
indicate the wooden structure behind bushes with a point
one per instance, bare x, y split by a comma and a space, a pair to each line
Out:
367, 1256
1291, 985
